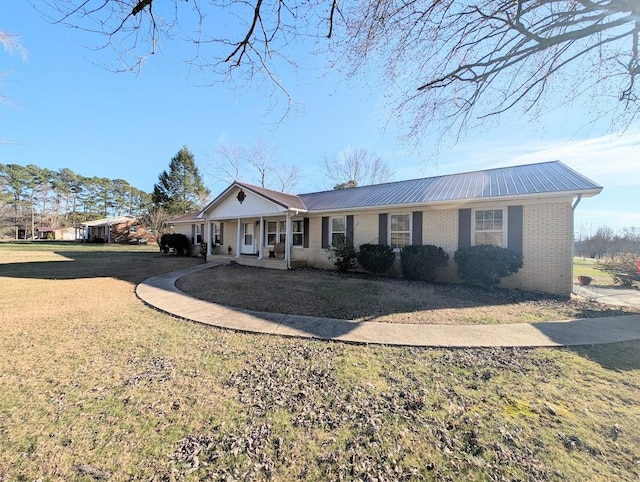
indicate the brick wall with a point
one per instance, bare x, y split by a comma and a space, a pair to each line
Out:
547, 249
547, 243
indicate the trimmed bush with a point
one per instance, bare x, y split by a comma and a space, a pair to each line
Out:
376, 258
485, 265
344, 255
178, 242
419, 262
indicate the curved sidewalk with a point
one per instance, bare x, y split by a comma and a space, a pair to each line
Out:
161, 292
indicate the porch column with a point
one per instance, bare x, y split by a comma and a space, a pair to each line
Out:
238, 241
208, 240
261, 238
287, 246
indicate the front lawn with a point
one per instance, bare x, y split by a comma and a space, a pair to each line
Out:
360, 297
94, 385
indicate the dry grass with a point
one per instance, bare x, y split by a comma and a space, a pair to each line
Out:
94, 386
360, 297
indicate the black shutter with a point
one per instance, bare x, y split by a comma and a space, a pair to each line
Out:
305, 233
382, 229
325, 232
464, 228
514, 229
417, 228
221, 233
350, 228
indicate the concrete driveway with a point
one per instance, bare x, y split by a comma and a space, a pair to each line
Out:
610, 295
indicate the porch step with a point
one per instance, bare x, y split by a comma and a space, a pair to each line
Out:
251, 261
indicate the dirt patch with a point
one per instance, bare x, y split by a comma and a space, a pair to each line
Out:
360, 297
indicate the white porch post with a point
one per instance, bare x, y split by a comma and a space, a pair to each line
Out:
208, 241
287, 246
238, 241
261, 238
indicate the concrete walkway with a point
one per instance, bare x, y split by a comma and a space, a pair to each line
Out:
161, 293
609, 295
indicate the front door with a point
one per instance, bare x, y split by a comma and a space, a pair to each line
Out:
248, 235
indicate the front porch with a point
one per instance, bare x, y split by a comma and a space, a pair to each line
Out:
251, 260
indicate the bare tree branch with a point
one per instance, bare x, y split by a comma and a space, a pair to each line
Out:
446, 63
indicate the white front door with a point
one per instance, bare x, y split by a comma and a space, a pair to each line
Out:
248, 239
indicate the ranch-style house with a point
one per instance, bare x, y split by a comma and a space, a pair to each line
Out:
528, 209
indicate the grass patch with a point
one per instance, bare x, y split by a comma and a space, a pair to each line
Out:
588, 267
95, 385
359, 297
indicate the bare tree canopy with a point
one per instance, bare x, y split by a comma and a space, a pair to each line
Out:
257, 163
447, 62
355, 167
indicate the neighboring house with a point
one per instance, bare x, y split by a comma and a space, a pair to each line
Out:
120, 229
66, 234
529, 209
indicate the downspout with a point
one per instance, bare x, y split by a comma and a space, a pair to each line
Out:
577, 201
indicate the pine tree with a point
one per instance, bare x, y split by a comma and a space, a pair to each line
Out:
180, 190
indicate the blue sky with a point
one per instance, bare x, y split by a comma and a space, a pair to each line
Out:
65, 110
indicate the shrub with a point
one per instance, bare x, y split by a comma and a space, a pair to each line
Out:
344, 254
419, 262
485, 265
178, 242
376, 258
620, 264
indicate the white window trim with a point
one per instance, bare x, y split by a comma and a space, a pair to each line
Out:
505, 240
344, 217
397, 250
278, 232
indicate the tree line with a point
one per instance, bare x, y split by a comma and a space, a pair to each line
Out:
606, 242
32, 196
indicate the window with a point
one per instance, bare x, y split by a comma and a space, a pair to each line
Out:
338, 230
272, 232
297, 228
400, 230
489, 227
277, 232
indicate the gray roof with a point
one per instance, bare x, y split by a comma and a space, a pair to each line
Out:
546, 178
289, 201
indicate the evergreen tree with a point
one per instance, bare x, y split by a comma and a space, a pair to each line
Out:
181, 189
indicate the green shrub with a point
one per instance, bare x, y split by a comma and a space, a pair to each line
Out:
344, 255
485, 265
376, 258
178, 242
419, 262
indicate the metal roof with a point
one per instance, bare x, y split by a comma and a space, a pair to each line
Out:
289, 201
185, 218
528, 180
